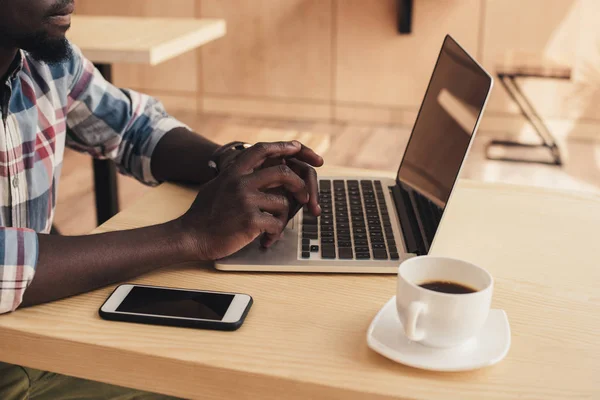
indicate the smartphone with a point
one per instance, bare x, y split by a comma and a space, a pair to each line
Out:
176, 307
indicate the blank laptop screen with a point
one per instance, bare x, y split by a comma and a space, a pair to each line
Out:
444, 127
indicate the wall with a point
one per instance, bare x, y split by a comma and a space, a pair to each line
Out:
344, 60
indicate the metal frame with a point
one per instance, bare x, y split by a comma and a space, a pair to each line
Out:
404, 9
529, 112
105, 174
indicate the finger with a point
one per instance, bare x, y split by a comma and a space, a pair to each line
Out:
307, 155
278, 205
279, 175
270, 227
273, 203
256, 155
309, 175
271, 162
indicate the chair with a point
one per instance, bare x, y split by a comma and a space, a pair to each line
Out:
526, 65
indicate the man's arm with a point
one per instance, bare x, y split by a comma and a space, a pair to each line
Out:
77, 264
182, 156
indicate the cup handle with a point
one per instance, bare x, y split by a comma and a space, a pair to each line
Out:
414, 310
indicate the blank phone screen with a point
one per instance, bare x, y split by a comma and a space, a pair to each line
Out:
176, 303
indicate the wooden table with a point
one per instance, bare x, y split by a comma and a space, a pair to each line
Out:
142, 40
305, 336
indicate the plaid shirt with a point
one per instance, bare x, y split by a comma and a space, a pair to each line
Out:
40, 101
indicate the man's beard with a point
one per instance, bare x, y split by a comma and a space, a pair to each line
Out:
44, 48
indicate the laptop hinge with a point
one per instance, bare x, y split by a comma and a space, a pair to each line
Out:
408, 223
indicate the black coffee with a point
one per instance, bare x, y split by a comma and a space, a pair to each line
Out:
447, 287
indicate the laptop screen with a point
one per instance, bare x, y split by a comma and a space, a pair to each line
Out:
442, 133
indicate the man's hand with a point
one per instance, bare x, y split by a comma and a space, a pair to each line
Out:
247, 200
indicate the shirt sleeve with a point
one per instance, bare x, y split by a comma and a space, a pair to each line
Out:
18, 258
118, 124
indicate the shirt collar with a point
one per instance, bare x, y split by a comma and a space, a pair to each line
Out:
16, 66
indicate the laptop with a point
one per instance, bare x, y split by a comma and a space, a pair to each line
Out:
371, 224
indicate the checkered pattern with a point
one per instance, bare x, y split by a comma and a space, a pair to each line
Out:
48, 107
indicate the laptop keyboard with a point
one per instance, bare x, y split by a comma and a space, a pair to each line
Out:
354, 223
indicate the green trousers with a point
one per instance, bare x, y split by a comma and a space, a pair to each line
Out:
20, 383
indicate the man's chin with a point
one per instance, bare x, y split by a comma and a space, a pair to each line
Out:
49, 50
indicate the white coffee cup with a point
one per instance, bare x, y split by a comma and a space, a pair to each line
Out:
441, 319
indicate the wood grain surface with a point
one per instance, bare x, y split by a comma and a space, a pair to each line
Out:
111, 39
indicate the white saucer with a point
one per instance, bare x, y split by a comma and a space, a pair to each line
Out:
490, 346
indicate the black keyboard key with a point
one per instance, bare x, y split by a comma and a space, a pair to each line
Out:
344, 244
308, 219
389, 231
338, 183
324, 184
328, 251
310, 228
361, 249
326, 228
380, 254
391, 243
361, 242
326, 234
326, 222
305, 241
310, 235
377, 241
363, 256
305, 254
328, 240
359, 230
359, 236
387, 224
346, 253
394, 256
314, 249
305, 247
378, 246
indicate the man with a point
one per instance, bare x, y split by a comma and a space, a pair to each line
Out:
50, 95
